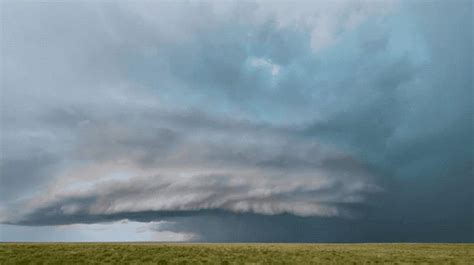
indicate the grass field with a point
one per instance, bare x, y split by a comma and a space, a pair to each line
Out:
161, 253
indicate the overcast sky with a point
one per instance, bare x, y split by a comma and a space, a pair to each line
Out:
318, 121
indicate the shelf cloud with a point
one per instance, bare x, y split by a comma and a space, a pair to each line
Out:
227, 121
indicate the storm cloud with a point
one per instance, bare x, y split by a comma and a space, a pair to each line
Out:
318, 122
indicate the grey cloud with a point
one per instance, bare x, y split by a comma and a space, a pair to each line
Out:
285, 173
161, 196
34, 170
123, 88
224, 227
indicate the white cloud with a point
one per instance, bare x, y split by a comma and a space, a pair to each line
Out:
326, 20
118, 231
265, 64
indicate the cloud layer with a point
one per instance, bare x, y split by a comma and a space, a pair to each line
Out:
300, 118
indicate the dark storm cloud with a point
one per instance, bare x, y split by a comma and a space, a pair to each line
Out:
196, 197
221, 227
285, 174
242, 124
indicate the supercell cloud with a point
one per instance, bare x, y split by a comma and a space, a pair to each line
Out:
225, 121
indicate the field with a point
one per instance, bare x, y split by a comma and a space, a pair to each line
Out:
170, 253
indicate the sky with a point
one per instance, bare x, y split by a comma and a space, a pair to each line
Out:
237, 121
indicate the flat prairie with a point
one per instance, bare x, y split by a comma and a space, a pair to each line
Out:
239, 253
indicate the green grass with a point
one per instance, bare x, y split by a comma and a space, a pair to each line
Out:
169, 253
